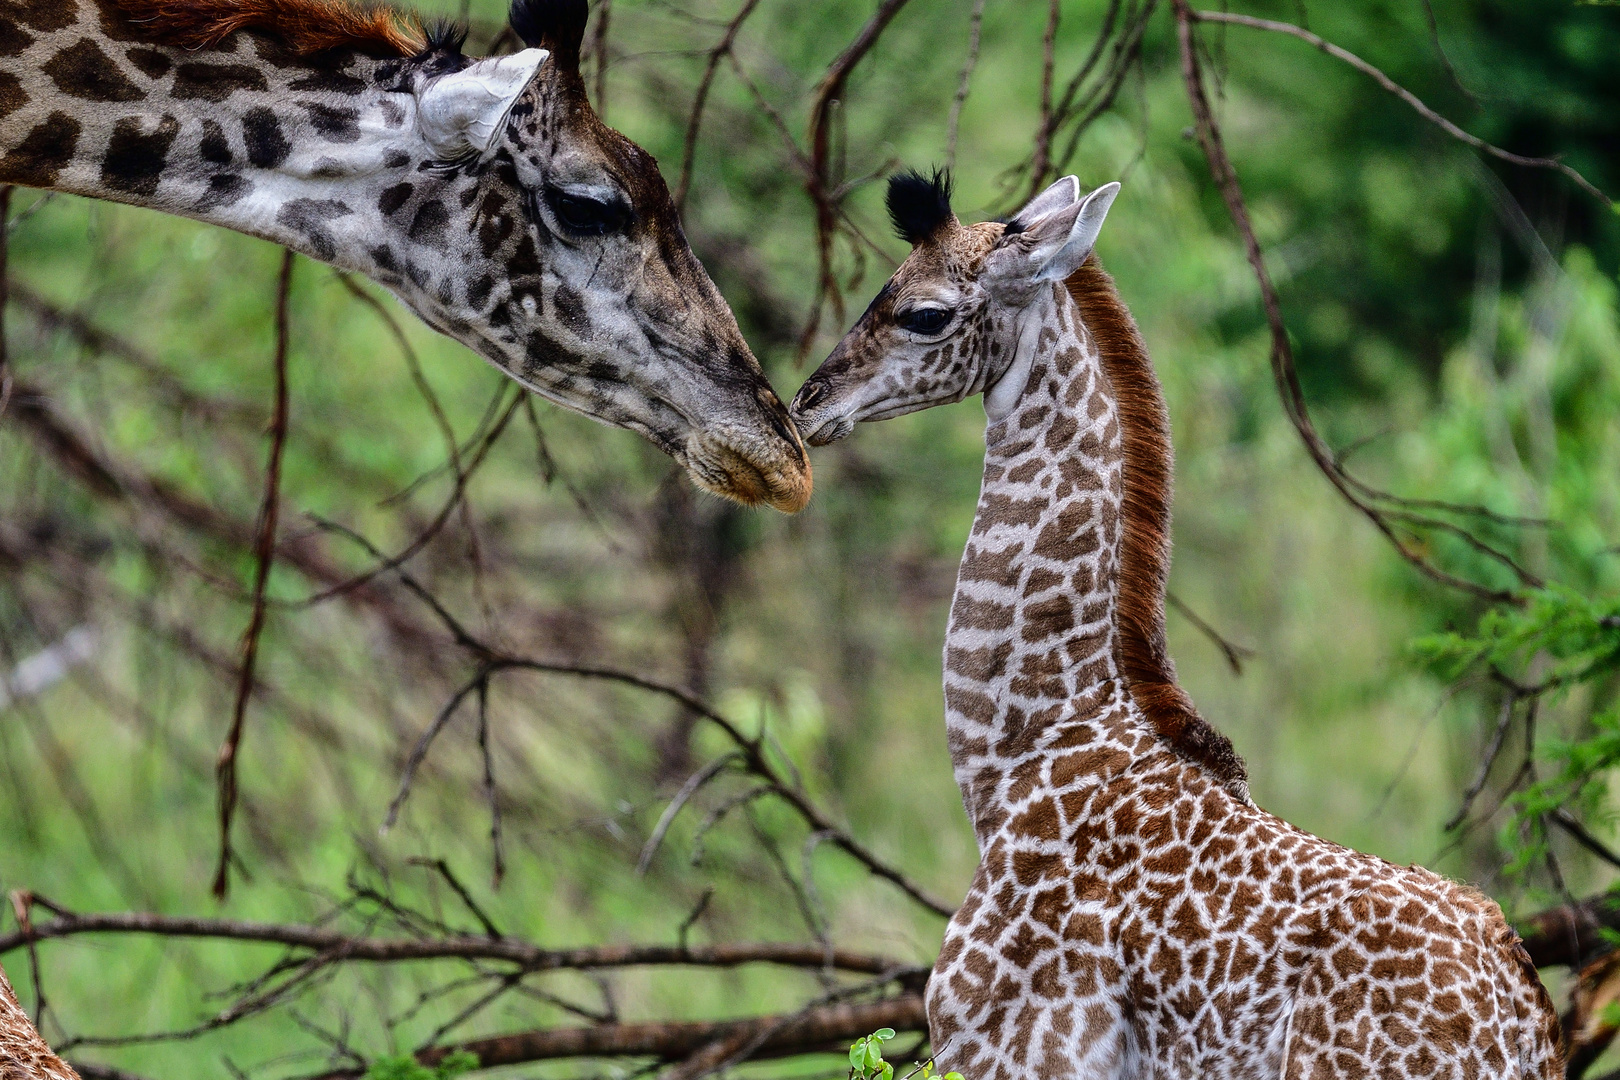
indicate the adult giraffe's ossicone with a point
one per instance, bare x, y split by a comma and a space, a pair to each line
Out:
485, 194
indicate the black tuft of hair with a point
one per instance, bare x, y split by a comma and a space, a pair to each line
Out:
919, 205
446, 36
557, 25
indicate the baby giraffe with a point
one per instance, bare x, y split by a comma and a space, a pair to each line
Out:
1134, 914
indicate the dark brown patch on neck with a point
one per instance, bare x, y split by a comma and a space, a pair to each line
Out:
1144, 550
304, 26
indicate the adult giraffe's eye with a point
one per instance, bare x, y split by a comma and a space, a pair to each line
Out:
583, 215
925, 320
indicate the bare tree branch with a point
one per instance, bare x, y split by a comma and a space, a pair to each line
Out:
1401, 92
819, 1028
264, 555
528, 956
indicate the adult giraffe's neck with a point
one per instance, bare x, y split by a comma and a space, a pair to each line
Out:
244, 134
1056, 636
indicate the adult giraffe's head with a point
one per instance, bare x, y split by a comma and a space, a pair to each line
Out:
486, 194
950, 322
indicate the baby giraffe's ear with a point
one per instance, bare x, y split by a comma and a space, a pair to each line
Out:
1052, 236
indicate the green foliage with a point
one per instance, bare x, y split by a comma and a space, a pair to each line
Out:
1565, 644
405, 1067
1579, 634
866, 1060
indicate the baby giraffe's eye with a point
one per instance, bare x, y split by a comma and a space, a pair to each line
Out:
925, 320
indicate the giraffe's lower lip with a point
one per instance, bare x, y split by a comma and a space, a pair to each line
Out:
775, 480
830, 430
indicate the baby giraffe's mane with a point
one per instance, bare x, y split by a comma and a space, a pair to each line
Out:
1144, 555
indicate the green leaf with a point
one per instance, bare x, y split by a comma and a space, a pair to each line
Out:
857, 1055
884, 1034
455, 1063
952, 1076
874, 1054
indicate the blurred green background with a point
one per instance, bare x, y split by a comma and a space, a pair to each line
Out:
1455, 320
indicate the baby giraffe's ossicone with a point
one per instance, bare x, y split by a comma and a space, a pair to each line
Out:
951, 321
1134, 914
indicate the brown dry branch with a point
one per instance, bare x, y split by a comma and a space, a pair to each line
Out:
953, 124
1404, 94
821, 183
1234, 653
819, 1028
5, 281
264, 556
721, 50
1041, 160
1377, 507
753, 755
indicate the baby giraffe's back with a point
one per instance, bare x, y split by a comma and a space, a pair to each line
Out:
1160, 927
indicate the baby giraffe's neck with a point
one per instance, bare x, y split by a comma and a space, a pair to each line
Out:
1029, 654
1055, 653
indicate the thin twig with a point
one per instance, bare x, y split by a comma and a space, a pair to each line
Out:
1440, 50
1492, 751
5, 279
491, 792
1578, 832
442, 868
419, 751
721, 50
1401, 92
599, 47
265, 554
1235, 654
1041, 162
693, 785
975, 26
820, 181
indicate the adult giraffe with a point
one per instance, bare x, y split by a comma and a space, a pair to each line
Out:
1134, 914
485, 194
23, 1054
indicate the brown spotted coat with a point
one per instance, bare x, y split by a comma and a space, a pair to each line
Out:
1134, 914
23, 1054
552, 247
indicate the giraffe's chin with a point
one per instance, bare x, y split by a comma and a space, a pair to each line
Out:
778, 482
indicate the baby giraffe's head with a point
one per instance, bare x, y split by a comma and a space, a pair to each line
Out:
963, 313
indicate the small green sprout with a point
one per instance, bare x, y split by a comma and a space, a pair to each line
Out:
405, 1067
866, 1061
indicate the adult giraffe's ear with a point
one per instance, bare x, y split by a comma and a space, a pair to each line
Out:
461, 112
557, 26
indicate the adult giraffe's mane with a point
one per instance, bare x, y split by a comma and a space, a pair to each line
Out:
304, 26
1144, 553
